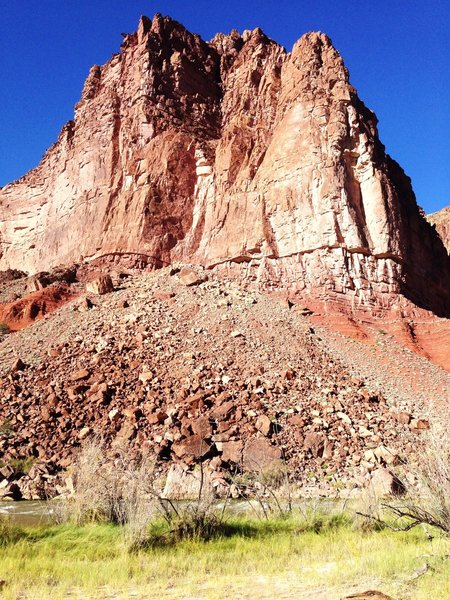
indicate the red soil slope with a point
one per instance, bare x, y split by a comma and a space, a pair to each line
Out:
34, 306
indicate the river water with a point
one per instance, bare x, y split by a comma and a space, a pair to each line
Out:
27, 513
38, 512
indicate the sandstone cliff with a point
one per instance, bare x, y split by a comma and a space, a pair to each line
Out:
441, 220
236, 155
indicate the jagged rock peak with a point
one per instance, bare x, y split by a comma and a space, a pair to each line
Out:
234, 154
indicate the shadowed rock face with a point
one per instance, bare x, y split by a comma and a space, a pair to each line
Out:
235, 155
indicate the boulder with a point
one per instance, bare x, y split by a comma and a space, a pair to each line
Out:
384, 483
6, 472
264, 425
192, 447
231, 451
201, 426
163, 296
403, 418
315, 443
189, 277
101, 285
259, 454
419, 424
79, 375
18, 365
184, 484
36, 283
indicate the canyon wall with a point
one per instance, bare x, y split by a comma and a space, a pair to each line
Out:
235, 155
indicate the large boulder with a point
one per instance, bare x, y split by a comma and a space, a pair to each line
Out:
184, 484
100, 285
259, 454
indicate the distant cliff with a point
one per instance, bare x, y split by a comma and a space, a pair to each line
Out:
441, 220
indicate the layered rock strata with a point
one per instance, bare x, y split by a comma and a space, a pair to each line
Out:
236, 155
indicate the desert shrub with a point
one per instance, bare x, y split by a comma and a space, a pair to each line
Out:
319, 514
113, 486
200, 519
108, 486
188, 523
4, 329
425, 481
267, 491
368, 512
274, 475
324, 521
22, 465
428, 500
6, 429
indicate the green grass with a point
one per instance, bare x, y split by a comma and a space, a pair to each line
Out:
251, 559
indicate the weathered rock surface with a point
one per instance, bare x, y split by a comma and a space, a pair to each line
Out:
441, 220
232, 154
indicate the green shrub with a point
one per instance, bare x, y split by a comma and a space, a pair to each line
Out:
22, 465
6, 429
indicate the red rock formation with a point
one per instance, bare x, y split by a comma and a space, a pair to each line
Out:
441, 220
32, 307
235, 155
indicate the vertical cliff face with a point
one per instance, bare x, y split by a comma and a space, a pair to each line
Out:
122, 175
235, 155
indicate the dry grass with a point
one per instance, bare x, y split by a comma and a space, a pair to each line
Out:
111, 487
427, 501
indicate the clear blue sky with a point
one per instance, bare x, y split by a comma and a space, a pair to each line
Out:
398, 53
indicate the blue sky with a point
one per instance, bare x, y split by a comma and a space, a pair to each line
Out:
397, 51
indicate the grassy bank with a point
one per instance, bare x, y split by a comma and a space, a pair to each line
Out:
324, 559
